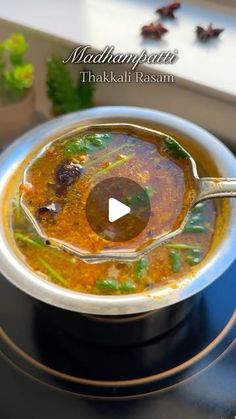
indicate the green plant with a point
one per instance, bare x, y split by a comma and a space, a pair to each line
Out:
16, 73
65, 95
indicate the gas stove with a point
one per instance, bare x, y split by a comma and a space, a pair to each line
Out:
188, 373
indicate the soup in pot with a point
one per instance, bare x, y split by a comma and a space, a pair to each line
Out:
55, 190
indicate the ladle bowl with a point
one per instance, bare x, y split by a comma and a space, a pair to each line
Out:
205, 188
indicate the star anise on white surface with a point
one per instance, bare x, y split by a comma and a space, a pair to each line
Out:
153, 30
205, 34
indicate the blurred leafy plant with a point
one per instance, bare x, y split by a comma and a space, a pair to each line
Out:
16, 73
65, 95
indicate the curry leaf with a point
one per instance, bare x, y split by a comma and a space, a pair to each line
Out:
86, 144
141, 267
108, 285
174, 148
128, 286
175, 261
194, 257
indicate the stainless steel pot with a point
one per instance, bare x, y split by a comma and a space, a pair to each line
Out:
14, 269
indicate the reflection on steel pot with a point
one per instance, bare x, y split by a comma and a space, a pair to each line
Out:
116, 330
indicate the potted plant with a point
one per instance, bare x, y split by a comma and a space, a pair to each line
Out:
65, 94
16, 92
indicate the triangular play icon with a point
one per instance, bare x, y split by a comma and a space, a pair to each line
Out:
116, 210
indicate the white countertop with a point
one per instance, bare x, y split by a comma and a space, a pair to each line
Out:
117, 22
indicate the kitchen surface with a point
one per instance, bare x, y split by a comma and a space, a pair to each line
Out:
187, 373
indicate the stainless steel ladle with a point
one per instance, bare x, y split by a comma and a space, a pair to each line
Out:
205, 188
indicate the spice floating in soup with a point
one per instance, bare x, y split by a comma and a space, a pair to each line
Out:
55, 191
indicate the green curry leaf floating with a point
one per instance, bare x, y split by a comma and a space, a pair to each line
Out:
87, 144
174, 148
55, 190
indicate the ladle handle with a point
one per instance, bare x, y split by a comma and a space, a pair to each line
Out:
216, 187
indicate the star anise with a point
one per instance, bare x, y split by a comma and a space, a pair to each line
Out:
205, 34
153, 30
168, 10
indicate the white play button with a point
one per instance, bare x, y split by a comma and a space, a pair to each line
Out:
107, 214
116, 209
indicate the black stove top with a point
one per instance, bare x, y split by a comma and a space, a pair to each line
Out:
189, 373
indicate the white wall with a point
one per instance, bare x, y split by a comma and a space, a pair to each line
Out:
214, 114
